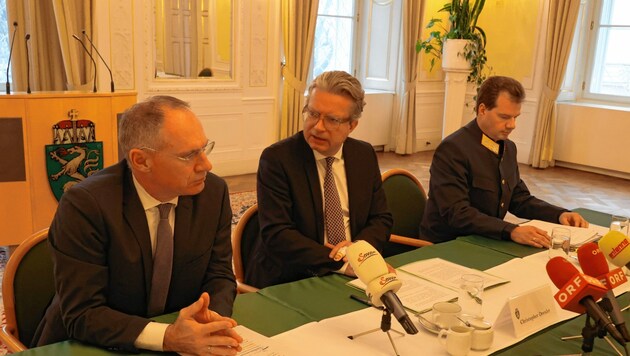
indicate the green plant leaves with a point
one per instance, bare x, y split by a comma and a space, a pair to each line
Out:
463, 16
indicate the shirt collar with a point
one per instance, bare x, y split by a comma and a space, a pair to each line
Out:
146, 199
338, 155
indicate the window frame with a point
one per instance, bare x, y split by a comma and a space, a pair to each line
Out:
583, 55
364, 21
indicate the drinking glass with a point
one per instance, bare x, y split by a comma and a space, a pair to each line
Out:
470, 295
560, 242
619, 223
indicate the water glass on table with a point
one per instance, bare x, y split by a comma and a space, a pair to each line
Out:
619, 223
560, 242
471, 295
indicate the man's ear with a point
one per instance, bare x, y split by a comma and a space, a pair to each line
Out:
353, 124
140, 160
481, 110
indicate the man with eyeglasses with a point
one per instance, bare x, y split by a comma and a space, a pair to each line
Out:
149, 235
295, 179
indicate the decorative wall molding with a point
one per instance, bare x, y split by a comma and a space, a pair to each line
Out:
121, 30
259, 43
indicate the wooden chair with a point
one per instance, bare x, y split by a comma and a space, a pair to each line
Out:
245, 233
27, 289
406, 200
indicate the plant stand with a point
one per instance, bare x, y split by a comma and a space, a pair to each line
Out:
457, 69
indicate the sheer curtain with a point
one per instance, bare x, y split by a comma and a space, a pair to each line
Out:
57, 61
299, 18
560, 26
404, 123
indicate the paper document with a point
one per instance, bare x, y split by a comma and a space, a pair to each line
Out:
257, 344
448, 273
416, 294
579, 235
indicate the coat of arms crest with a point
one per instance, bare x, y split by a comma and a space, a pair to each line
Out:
74, 154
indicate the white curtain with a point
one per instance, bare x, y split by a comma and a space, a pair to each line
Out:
560, 26
404, 113
299, 18
57, 61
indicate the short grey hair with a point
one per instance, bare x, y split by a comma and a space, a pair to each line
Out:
340, 83
140, 124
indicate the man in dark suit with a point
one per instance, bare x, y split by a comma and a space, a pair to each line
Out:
296, 241
475, 179
106, 232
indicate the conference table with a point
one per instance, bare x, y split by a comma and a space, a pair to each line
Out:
280, 308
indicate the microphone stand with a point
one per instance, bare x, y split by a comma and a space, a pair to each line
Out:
386, 324
589, 332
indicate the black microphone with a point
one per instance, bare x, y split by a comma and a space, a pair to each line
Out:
10, 53
28, 65
92, 58
111, 77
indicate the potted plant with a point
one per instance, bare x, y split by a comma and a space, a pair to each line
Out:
463, 16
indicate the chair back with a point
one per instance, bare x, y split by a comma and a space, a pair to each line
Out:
27, 289
406, 200
243, 241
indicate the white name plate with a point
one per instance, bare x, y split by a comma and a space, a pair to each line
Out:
531, 311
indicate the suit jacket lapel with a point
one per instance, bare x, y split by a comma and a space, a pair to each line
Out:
183, 218
136, 219
312, 176
353, 181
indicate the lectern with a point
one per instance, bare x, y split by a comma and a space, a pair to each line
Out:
66, 122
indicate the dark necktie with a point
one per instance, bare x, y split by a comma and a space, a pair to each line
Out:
332, 213
162, 262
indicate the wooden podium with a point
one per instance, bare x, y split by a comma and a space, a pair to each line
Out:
26, 127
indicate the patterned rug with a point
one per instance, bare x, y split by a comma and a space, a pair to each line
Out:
239, 201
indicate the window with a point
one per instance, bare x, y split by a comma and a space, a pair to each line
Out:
4, 38
599, 64
334, 36
610, 71
361, 38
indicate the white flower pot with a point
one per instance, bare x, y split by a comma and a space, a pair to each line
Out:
453, 55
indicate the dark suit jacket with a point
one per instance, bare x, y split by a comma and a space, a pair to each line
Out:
290, 210
471, 190
103, 263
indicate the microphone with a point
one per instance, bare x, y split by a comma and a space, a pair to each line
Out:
594, 264
615, 246
111, 77
10, 53
92, 58
382, 286
28, 65
578, 292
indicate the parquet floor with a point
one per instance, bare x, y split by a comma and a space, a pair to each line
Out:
564, 187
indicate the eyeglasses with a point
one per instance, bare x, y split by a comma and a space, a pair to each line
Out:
188, 157
330, 122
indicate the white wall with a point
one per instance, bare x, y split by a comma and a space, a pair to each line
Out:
375, 123
593, 138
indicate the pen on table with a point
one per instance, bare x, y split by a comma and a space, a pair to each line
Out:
361, 300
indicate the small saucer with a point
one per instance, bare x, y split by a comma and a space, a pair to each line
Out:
428, 325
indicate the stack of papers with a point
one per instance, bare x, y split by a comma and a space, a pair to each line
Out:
579, 235
427, 282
